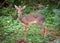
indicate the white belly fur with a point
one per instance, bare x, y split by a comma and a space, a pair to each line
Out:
29, 22
32, 22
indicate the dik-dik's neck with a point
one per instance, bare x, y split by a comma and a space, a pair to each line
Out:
20, 15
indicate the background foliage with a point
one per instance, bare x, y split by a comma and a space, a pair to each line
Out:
11, 29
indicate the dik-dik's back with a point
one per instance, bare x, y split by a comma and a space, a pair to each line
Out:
32, 18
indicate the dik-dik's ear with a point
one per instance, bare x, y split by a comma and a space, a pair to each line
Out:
24, 7
16, 7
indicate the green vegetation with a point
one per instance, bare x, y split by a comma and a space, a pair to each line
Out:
11, 29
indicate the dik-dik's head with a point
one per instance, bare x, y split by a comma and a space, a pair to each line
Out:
19, 8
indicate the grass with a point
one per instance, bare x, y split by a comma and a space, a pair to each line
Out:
13, 30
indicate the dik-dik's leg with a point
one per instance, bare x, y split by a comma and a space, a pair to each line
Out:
25, 27
41, 25
45, 31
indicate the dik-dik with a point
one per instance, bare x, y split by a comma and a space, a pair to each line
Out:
30, 18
